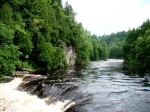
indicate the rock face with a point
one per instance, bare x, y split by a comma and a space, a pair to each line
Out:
70, 55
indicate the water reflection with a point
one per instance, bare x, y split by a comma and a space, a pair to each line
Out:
133, 70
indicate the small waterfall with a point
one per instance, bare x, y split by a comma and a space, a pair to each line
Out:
13, 100
37, 94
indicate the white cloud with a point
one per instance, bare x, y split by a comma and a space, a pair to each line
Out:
107, 16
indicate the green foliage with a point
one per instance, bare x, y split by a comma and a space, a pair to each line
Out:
59, 58
100, 49
83, 52
6, 34
23, 40
6, 14
115, 43
8, 59
39, 30
115, 52
8, 52
34, 33
46, 55
137, 45
83, 47
25, 65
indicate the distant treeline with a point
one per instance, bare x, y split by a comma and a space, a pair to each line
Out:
108, 46
115, 43
133, 45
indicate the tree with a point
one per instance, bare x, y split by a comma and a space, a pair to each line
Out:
9, 59
46, 55
136, 49
115, 43
6, 14
23, 40
9, 54
83, 47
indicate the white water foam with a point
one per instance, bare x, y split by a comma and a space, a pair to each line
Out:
13, 100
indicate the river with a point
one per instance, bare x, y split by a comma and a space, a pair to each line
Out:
115, 88
100, 86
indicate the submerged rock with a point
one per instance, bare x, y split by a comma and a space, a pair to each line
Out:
7, 79
37, 93
56, 90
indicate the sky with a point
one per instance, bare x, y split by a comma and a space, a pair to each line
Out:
110, 16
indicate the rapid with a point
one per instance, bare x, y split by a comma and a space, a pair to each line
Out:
100, 86
13, 100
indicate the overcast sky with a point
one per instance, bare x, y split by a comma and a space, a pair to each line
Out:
107, 16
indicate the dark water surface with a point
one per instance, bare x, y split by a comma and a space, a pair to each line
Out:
103, 86
114, 87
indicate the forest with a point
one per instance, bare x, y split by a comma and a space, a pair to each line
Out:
115, 42
136, 49
34, 33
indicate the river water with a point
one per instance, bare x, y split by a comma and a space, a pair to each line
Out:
102, 86
115, 88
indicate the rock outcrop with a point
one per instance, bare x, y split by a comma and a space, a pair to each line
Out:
70, 55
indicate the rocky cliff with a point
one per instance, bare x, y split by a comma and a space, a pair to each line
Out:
70, 55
